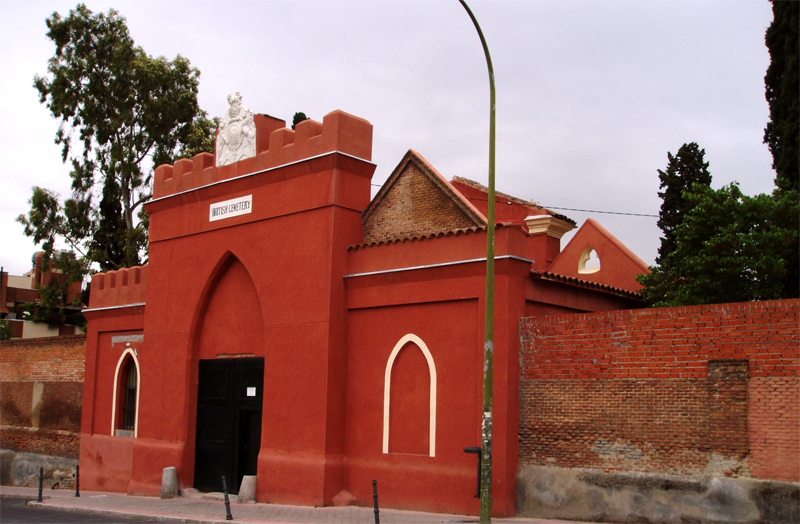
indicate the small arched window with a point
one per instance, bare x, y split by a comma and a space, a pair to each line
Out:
129, 388
126, 396
589, 261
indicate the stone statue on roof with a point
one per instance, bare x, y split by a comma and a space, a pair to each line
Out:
236, 137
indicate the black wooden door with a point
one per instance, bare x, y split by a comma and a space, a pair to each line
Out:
229, 402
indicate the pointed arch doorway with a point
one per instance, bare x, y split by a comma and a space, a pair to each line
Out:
229, 343
229, 405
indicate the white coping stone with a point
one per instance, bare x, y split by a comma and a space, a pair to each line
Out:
247, 491
169, 483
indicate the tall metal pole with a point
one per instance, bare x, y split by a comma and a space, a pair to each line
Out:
488, 347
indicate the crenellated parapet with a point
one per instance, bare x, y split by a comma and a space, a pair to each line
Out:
118, 288
276, 145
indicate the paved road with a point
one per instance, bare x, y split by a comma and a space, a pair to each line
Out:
14, 511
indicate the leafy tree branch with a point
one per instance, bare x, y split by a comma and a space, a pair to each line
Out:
121, 113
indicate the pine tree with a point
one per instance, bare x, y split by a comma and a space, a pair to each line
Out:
783, 93
686, 168
298, 117
782, 83
721, 245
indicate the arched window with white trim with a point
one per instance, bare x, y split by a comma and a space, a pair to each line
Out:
409, 399
127, 382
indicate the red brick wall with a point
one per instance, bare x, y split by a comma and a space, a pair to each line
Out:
58, 359
703, 390
55, 368
43, 441
774, 447
16, 400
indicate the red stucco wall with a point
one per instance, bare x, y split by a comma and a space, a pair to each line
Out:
219, 289
292, 282
452, 332
619, 266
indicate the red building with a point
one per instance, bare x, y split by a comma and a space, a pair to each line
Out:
20, 300
289, 327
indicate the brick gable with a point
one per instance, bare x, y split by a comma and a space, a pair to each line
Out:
417, 201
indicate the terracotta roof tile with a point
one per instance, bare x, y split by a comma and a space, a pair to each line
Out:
516, 200
546, 275
413, 238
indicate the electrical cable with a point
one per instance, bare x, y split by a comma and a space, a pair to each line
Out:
574, 209
604, 212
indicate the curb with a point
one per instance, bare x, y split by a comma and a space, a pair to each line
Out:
133, 513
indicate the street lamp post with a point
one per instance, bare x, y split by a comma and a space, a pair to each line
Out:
488, 347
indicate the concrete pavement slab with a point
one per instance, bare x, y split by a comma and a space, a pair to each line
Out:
193, 510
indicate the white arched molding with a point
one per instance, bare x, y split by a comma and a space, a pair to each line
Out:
128, 351
585, 258
387, 389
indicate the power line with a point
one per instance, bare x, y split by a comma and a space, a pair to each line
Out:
604, 212
573, 209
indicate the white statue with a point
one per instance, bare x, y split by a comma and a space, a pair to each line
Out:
237, 133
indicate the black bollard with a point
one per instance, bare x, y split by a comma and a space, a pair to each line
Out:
77, 481
228, 515
41, 479
375, 497
476, 450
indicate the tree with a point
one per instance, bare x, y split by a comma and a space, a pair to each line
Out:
298, 117
5, 330
783, 94
122, 112
201, 137
686, 168
53, 307
723, 246
729, 248
782, 83
789, 204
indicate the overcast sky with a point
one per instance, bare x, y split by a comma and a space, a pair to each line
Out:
591, 94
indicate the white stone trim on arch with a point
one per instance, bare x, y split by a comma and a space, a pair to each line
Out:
387, 388
128, 351
585, 258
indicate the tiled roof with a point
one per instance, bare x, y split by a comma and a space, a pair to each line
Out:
546, 275
454, 232
520, 201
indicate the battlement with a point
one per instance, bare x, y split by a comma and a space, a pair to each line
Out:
118, 288
276, 145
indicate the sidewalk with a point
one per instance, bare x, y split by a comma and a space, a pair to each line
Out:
193, 510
